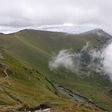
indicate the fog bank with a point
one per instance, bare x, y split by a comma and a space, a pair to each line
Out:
91, 60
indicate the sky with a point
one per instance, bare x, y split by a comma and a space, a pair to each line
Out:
19, 14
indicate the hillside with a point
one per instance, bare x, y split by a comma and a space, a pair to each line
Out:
23, 88
33, 49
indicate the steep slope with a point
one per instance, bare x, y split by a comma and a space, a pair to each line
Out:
34, 49
23, 88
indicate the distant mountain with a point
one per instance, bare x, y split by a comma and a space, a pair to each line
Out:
98, 32
67, 28
25, 56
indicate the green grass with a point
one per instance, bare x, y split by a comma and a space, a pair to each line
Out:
25, 86
34, 50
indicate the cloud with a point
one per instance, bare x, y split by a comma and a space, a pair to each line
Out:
107, 62
88, 59
85, 62
65, 59
34, 13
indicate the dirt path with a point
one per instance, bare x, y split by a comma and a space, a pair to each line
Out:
4, 67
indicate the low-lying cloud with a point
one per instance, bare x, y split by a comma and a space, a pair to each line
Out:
107, 62
65, 59
86, 61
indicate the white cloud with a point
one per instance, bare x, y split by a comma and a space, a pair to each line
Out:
74, 61
94, 60
63, 59
107, 62
26, 13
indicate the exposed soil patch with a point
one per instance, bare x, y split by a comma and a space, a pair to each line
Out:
40, 108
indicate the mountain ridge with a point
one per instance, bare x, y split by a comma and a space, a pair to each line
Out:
34, 49
30, 29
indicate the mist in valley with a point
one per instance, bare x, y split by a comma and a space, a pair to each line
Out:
84, 62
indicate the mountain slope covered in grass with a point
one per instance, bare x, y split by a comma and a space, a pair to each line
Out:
34, 50
23, 88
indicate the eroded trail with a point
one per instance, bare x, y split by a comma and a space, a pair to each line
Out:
4, 68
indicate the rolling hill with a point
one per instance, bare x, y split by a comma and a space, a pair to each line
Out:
26, 55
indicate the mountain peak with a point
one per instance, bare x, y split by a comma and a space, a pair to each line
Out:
98, 32
95, 31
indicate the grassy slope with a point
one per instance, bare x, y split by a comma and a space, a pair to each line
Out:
34, 48
26, 87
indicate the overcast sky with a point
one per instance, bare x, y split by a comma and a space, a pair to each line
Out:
18, 14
